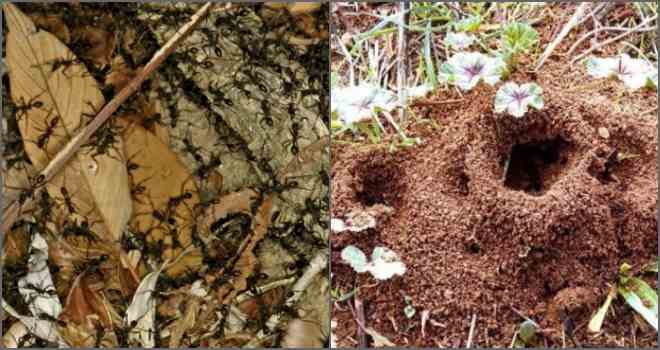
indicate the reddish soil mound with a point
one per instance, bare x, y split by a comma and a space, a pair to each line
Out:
494, 213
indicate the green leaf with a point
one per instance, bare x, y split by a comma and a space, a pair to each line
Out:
597, 320
470, 24
347, 296
519, 37
642, 299
355, 257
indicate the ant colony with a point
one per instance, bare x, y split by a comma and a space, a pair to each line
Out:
196, 215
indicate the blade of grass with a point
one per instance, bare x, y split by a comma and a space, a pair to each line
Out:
596, 322
428, 59
642, 299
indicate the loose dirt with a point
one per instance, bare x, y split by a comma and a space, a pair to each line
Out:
496, 216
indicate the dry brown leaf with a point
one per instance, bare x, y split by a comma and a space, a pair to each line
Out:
163, 177
303, 334
15, 245
97, 185
235, 202
269, 299
182, 325
300, 8
84, 300
247, 261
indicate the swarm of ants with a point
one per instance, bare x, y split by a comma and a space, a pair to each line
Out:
243, 107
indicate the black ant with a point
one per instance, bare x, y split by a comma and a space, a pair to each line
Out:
174, 115
67, 200
24, 107
45, 205
104, 139
295, 134
26, 193
150, 121
191, 149
175, 201
220, 95
78, 230
267, 119
94, 265
63, 62
204, 169
138, 189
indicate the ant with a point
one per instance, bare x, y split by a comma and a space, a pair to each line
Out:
174, 115
46, 134
267, 119
204, 169
24, 107
93, 265
67, 200
175, 201
220, 95
295, 135
26, 193
150, 121
63, 62
104, 139
45, 205
78, 230
193, 150
139, 189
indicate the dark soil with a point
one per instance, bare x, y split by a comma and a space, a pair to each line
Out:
486, 239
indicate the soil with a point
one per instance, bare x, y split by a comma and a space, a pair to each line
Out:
496, 216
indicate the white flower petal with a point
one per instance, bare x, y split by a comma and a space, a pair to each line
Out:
459, 41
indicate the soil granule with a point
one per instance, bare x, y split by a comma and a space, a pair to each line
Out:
500, 217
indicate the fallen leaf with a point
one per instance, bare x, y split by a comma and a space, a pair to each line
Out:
59, 95
303, 334
379, 340
247, 261
159, 178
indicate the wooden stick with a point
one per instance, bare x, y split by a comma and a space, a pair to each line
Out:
62, 158
639, 28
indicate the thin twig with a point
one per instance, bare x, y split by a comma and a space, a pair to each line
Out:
639, 28
573, 22
62, 158
599, 30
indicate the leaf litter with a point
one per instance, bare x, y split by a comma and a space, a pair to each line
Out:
207, 185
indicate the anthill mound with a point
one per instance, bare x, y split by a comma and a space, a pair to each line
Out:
496, 215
